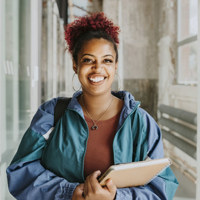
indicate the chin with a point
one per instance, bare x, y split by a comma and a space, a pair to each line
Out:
97, 92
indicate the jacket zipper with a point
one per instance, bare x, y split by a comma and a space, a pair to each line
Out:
83, 177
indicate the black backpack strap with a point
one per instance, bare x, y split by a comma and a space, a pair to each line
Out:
60, 108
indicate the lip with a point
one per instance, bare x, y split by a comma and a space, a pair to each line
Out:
94, 76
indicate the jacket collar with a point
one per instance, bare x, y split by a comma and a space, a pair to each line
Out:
129, 104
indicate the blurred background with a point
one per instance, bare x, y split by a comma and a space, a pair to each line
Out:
158, 64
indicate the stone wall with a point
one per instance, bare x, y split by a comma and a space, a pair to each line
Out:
138, 21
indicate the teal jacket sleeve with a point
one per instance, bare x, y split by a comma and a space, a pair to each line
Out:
164, 186
27, 178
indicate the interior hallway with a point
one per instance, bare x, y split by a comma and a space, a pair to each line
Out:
157, 64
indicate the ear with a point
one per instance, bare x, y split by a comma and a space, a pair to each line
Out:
116, 66
75, 68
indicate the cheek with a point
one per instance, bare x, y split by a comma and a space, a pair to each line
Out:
111, 70
82, 72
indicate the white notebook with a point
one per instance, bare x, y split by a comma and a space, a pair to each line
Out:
135, 173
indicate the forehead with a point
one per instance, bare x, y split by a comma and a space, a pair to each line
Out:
98, 46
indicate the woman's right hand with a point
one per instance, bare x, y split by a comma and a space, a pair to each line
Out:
94, 191
78, 192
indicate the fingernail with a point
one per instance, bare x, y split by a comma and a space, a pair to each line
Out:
110, 180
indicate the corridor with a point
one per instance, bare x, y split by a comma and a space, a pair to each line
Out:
159, 64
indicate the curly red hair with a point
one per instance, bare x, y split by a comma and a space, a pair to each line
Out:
94, 22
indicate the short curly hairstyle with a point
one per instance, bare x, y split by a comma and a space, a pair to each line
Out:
96, 25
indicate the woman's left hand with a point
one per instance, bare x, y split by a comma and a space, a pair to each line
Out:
94, 191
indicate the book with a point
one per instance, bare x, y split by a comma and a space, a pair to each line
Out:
135, 173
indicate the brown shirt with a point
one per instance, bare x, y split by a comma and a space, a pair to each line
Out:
99, 152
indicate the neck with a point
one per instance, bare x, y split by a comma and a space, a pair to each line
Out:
95, 105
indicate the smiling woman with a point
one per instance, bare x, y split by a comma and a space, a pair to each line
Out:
99, 128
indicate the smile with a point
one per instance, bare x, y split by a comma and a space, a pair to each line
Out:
96, 79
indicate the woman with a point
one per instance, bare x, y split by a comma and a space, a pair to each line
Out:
98, 128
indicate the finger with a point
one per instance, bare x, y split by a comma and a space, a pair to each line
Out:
85, 188
91, 183
95, 174
111, 186
81, 186
94, 183
88, 186
78, 192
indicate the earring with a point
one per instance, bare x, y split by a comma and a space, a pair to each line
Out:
74, 84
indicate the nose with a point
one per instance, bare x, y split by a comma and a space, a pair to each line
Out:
97, 66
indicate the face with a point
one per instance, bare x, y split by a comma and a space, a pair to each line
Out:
96, 66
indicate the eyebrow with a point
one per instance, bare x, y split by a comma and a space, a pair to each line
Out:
109, 55
87, 54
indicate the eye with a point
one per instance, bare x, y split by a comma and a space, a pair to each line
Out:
108, 60
87, 60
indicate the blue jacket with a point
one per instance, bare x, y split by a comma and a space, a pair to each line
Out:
49, 162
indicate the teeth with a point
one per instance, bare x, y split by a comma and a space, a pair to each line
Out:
97, 79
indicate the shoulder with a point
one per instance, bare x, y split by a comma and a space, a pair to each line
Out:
44, 117
153, 134
145, 116
49, 106
148, 121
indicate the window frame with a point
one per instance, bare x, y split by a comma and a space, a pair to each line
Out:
180, 43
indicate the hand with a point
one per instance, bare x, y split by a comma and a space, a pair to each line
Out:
94, 191
78, 192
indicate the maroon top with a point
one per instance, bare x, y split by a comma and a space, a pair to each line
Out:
99, 152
